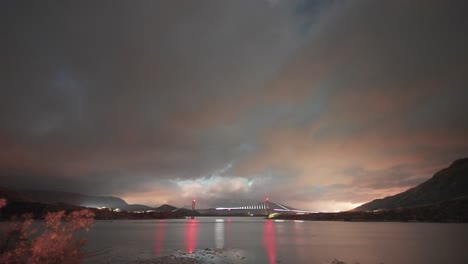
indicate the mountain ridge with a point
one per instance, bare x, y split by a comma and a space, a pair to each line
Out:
450, 183
71, 198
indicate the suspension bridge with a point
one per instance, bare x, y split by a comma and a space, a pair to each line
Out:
259, 208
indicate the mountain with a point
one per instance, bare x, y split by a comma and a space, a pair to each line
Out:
50, 197
165, 208
75, 199
21, 202
13, 196
449, 184
137, 207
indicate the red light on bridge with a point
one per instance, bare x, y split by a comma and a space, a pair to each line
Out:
267, 199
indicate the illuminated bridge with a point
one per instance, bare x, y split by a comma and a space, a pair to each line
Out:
266, 207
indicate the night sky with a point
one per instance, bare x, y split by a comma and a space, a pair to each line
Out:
320, 105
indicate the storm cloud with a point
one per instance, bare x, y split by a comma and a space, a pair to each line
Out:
321, 105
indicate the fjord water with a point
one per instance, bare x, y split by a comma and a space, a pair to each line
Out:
256, 240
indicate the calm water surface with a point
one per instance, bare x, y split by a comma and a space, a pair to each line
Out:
268, 241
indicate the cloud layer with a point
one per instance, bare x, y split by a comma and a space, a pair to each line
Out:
321, 105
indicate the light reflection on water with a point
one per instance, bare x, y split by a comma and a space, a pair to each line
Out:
269, 238
191, 235
160, 234
266, 241
299, 240
219, 233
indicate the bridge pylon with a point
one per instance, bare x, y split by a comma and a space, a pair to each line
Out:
193, 209
267, 204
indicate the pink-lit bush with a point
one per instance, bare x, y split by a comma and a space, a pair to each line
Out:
55, 243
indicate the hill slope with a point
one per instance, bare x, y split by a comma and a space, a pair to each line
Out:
50, 197
75, 199
448, 184
12, 195
166, 208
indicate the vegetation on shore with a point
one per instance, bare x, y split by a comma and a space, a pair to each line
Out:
53, 242
448, 211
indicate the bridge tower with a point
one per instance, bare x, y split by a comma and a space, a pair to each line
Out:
193, 208
267, 204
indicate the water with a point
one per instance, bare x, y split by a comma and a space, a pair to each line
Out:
257, 240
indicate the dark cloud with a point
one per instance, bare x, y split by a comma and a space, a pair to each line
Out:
320, 104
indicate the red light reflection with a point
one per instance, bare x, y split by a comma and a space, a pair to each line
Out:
191, 235
160, 234
269, 238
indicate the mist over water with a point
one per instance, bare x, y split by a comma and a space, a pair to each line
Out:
256, 240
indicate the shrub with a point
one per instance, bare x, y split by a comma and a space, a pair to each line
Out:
56, 242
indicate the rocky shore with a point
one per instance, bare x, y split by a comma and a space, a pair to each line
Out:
208, 256
214, 256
